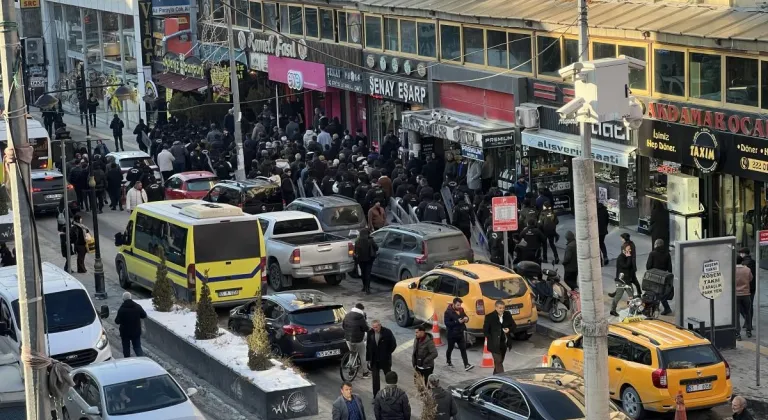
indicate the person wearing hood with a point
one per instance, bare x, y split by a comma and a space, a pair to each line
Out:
348, 406
424, 353
391, 403
446, 405
355, 328
570, 262
660, 259
129, 318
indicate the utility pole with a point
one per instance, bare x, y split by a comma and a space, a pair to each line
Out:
235, 88
32, 316
594, 326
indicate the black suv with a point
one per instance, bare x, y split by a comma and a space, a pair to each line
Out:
254, 196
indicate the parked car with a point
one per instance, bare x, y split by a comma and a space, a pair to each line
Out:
135, 387
48, 189
126, 161
254, 196
192, 184
538, 393
302, 324
411, 250
297, 248
337, 214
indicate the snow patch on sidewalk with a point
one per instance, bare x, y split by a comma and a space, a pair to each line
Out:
229, 349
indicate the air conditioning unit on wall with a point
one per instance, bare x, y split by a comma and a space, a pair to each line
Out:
527, 117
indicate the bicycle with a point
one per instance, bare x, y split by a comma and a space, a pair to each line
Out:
635, 307
350, 366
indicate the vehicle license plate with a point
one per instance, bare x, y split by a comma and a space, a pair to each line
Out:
699, 387
324, 267
226, 293
327, 353
53, 196
514, 311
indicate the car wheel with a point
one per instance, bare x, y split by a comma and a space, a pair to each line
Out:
556, 363
334, 279
231, 324
402, 314
275, 277
405, 275
523, 336
122, 275
276, 351
576, 323
631, 403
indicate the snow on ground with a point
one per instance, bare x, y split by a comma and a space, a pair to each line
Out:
229, 349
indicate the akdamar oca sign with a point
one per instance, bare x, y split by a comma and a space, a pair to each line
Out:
185, 66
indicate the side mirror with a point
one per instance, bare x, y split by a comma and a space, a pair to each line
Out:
191, 391
4, 330
465, 394
119, 239
92, 411
570, 344
412, 285
104, 312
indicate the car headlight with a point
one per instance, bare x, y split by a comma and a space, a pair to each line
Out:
103, 341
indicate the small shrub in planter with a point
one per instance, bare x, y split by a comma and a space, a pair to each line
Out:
258, 343
429, 410
205, 326
162, 293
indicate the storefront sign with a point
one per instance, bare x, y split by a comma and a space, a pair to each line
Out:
717, 120
398, 89
240, 68
471, 152
185, 66
745, 157
562, 203
145, 32
297, 74
29, 4
499, 140
277, 46
601, 151
705, 151
458, 133
346, 79
613, 131
170, 7
258, 61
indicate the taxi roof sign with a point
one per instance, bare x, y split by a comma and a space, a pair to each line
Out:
460, 262
631, 319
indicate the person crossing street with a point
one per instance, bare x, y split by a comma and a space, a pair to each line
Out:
355, 328
381, 344
456, 327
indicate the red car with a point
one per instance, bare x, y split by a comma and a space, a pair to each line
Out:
193, 184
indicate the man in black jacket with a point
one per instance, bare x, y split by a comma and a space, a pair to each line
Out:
570, 262
392, 402
355, 326
114, 185
496, 328
455, 326
381, 344
660, 259
602, 230
446, 405
129, 318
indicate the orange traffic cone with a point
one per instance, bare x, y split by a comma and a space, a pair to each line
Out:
680, 410
487, 357
544, 361
436, 332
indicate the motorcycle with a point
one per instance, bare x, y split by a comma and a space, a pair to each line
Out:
549, 294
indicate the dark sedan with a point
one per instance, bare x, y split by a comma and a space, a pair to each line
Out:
303, 324
539, 393
48, 190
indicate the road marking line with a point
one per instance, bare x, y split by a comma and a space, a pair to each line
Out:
403, 347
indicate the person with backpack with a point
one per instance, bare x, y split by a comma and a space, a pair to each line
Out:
548, 225
528, 212
660, 259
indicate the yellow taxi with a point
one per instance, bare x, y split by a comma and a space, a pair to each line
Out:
479, 285
649, 362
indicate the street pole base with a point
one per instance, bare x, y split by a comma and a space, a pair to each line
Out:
100, 295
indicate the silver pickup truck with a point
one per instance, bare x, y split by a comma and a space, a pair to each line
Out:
298, 248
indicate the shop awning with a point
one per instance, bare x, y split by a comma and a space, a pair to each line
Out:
568, 144
179, 82
468, 130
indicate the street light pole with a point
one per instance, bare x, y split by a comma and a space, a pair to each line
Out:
98, 265
234, 85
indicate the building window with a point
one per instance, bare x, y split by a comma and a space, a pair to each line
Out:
669, 72
741, 81
255, 15
217, 9
473, 46
637, 78
285, 20
571, 51
450, 42
427, 40
355, 25
297, 20
241, 13
390, 34
373, 32
602, 50
343, 31
704, 76
520, 52
497, 48
408, 38
310, 15
548, 49
764, 84
270, 16
326, 24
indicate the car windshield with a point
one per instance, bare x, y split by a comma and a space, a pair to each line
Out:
318, 316
129, 162
243, 240
343, 216
60, 313
503, 289
201, 184
690, 357
142, 395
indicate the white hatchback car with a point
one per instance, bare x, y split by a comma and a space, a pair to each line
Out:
128, 389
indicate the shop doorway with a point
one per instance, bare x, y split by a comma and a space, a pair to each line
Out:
740, 206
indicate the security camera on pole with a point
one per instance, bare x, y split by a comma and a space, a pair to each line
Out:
602, 94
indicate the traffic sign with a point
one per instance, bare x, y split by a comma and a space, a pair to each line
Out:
711, 280
763, 237
504, 211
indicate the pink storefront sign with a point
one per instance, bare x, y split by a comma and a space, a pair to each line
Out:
297, 74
